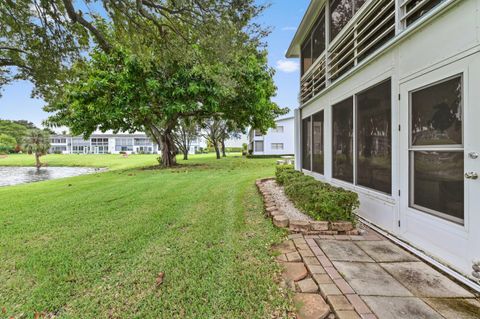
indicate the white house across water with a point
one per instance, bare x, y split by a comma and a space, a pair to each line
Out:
390, 108
103, 143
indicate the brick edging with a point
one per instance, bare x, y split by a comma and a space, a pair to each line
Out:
305, 227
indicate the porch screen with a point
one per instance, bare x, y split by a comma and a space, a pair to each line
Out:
317, 143
374, 138
306, 143
342, 152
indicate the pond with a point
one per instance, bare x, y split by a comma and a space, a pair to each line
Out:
19, 175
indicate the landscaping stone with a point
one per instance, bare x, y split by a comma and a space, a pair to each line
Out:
318, 225
329, 289
358, 304
285, 247
385, 251
400, 308
294, 257
280, 221
315, 269
452, 308
307, 285
322, 279
306, 253
341, 226
343, 251
310, 306
299, 225
370, 279
347, 314
311, 261
339, 302
294, 271
282, 258
424, 281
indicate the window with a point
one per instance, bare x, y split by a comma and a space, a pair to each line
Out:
416, 9
436, 150
277, 146
342, 124
317, 143
374, 138
258, 146
306, 143
278, 129
341, 12
314, 44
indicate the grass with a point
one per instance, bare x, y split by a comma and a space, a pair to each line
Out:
92, 246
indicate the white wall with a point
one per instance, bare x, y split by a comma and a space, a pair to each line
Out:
286, 138
451, 36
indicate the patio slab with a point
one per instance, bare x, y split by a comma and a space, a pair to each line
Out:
343, 251
370, 279
400, 308
385, 251
424, 281
456, 308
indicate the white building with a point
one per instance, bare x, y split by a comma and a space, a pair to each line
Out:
390, 109
277, 141
138, 143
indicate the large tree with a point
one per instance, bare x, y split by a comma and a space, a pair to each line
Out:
40, 40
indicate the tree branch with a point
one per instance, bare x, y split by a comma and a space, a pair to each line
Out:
77, 17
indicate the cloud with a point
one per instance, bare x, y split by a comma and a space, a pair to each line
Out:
287, 66
289, 29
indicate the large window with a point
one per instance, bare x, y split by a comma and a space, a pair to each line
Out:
317, 143
306, 143
374, 138
342, 11
342, 152
436, 150
278, 129
314, 44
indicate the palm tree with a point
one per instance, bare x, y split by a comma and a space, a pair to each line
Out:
37, 142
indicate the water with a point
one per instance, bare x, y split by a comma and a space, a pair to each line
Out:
20, 175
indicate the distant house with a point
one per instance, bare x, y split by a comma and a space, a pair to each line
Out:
277, 141
389, 108
104, 143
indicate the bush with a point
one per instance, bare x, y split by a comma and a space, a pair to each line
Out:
319, 200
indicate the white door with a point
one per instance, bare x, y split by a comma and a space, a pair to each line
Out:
439, 142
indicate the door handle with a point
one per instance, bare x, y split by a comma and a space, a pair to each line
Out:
471, 175
473, 155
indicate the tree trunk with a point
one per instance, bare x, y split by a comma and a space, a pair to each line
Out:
37, 161
217, 150
185, 155
223, 149
168, 149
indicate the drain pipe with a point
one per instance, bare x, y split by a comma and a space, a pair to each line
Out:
458, 276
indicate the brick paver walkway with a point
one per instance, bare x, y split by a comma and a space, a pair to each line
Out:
368, 276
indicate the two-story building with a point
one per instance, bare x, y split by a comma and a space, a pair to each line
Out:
104, 143
389, 108
277, 141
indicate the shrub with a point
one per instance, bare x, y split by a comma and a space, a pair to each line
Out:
319, 200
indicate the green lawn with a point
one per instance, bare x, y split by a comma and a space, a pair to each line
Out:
92, 246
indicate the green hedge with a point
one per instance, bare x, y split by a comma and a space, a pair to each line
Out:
319, 200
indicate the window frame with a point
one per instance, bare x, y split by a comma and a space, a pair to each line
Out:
322, 15
436, 148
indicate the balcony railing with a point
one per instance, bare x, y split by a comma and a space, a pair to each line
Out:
315, 81
373, 26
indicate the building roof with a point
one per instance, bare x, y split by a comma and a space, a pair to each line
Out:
307, 22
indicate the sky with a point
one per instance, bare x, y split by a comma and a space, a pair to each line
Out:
282, 17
